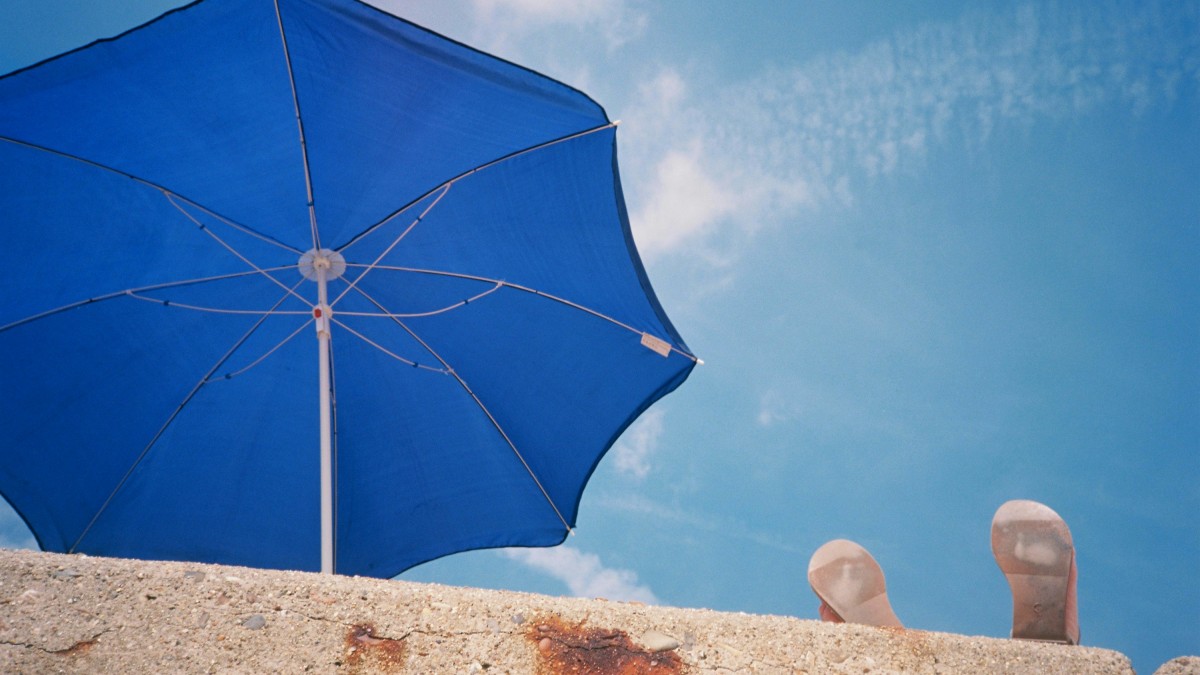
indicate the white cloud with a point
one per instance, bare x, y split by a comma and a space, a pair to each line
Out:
583, 573
662, 95
709, 168
685, 185
512, 20
773, 408
709, 163
631, 455
712, 523
685, 202
548, 11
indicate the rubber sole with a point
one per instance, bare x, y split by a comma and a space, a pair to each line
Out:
1034, 550
847, 579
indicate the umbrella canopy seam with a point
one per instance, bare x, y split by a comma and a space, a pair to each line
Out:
496, 285
482, 407
446, 184
213, 310
117, 294
312, 211
207, 230
523, 289
163, 429
391, 246
274, 311
272, 350
151, 184
387, 351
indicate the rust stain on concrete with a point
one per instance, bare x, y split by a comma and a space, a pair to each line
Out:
576, 649
365, 651
78, 649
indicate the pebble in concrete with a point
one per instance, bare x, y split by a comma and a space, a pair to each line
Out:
658, 642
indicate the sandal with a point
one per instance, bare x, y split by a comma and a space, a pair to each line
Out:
1033, 548
850, 584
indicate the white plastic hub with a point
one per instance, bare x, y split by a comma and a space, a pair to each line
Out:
332, 261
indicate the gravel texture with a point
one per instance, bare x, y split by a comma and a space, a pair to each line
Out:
1184, 665
81, 614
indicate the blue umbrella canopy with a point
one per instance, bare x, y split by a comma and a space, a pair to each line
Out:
250, 234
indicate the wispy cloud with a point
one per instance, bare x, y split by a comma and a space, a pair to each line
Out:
773, 408
721, 162
725, 526
631, 455
615, 20
685, 201
708, 164
583, 573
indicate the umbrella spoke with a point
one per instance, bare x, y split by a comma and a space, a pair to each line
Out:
409, 315
166, 191
483, 408
646, 337
312, 212
273, 311
388, 250
132, 291
385, 350
272, 350
231, 249
215, 310
446, 185
170, 420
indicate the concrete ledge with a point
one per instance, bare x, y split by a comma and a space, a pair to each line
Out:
81, 614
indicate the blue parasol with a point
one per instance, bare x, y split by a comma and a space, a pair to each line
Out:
298, 284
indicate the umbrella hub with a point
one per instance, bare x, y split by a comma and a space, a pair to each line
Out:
325, 259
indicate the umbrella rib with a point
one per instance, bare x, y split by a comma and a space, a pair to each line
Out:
217, 310
410, 315
391, 246
272, 350
468, 172
207, 230
385, 350
214, 310
118, 294
151, 184
312, 212
525, 289
495, 423
170, 419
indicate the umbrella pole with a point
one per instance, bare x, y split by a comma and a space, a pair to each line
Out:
321, 267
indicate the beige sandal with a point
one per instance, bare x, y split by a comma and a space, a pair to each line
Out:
1034, 549
850, 583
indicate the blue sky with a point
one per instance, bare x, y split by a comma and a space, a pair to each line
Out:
935, 255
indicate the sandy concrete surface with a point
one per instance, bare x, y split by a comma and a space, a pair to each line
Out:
82, 614
1184, 665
